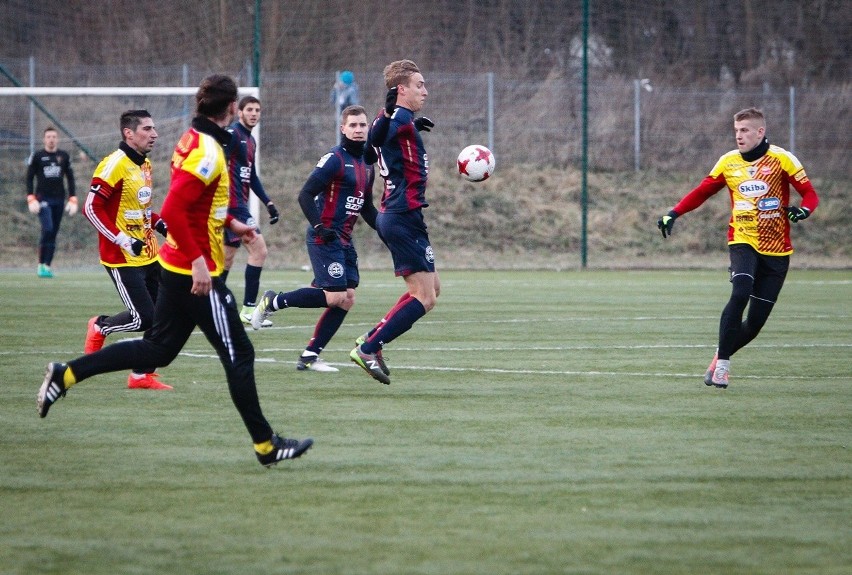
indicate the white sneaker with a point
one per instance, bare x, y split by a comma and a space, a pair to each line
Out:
314, 363
246, 315
259, 316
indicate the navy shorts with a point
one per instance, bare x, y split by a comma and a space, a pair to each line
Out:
335, 265
406, 237
242, 214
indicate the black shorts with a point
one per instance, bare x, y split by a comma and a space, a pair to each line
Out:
767, 272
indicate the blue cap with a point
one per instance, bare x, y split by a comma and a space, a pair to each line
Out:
347, 77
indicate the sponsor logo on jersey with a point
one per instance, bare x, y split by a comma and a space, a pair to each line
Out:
354, 204
743, 205
766, 204
52, 171
144, 195
765, 170
769, 215
740, 218
753, 188
335, 270
132, 214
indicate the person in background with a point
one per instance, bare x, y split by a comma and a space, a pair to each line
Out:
119, 207
344, 94
50, 167
242, 153
339, 189
192, 293
758, 177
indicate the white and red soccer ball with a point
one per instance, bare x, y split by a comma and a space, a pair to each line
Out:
476, 163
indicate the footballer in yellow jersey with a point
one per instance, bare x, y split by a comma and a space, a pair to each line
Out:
192, 293
119, 206
758, 177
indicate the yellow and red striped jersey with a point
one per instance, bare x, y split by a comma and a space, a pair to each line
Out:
120, 200
760, 192
196, 206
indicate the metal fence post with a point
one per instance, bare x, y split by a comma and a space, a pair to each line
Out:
792, 119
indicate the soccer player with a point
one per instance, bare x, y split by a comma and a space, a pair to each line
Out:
400, 223
191, 291
758, 177
119, 207
49, 166
339, 189
244, 179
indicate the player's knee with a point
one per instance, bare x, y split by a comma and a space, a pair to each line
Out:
741, 287
428, 301
336, 299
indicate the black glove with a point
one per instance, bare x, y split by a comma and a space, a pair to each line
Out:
161, 227
423, 124
390, 101
137, 246
273, 213
328, 235
666, 223
795, 214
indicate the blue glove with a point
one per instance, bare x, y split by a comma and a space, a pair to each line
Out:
795, 214
666, 223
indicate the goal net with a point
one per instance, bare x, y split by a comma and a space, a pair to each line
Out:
87, 120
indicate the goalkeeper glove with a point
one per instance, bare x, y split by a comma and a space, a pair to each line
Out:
328, 235
161, 227
666, 223
390, 101
273, 213
423, 124
71, 206
795, 214
33, 204
130, 245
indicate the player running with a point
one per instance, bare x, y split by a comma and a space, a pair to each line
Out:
192, 293
119, 207
242, 168
339, 189
758, 177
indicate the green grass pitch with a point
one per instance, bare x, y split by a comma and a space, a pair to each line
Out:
538, 422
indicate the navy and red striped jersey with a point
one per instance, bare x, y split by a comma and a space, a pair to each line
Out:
241, 167
403, 163
343, 186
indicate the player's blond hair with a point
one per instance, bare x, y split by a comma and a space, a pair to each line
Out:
399, 72
750, 114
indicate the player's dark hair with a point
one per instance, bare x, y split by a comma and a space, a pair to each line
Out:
214, 95
50, 129
131, 119
246, 100
351, 111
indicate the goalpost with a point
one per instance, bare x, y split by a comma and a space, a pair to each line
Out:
87, 117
